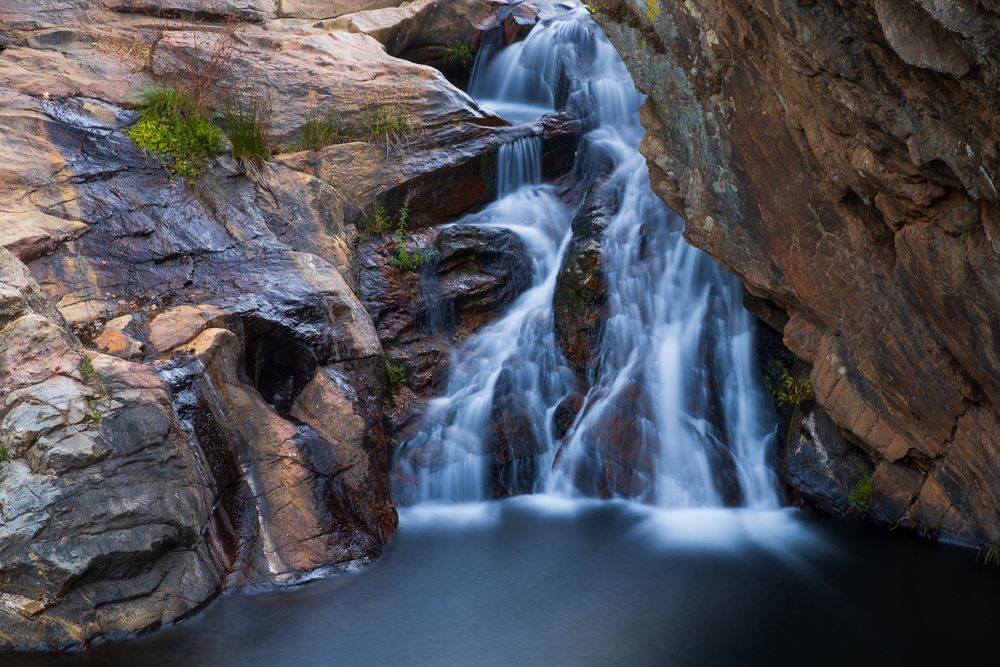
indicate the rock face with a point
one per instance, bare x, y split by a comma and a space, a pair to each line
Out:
192, 393
842, 159
91, 453
421, 315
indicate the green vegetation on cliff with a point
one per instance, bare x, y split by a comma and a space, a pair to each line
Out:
861, 495
404, 258
247, 124
174, 129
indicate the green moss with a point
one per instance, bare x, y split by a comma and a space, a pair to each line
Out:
861, 495
172, 129
653, 10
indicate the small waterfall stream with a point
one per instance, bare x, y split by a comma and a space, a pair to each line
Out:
677, 349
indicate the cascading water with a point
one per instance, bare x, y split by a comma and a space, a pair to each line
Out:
676, 352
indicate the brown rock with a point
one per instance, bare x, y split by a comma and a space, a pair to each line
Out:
827, 154
117, 340
181, 325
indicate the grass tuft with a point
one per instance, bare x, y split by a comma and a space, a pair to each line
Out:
388, 125
989, 553
247, 123
459, 55
174, 129
319, 131
86, 368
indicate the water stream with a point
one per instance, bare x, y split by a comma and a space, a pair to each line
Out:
677, 348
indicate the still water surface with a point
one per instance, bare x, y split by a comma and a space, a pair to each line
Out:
546, 581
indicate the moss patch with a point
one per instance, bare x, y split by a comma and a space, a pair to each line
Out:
174, 130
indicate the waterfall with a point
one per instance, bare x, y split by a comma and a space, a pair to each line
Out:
677, 349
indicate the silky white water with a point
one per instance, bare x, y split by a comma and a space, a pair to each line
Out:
676, 354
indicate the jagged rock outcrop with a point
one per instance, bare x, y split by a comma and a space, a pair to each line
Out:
191, 392
91, 454
842, 158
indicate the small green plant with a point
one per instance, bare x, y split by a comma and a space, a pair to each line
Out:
165, 102
395, 373
404, 258
989, 553
86, 368
966, 230
793, 388
861, 495
411, 260
93, 416
4, 453
388, 125
377, 222
247, 123
174, 129
459, 55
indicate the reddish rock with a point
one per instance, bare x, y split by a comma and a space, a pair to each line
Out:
842, 159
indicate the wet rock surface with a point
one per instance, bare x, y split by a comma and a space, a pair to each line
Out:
580, 304
841, 159
421, 315
192, 393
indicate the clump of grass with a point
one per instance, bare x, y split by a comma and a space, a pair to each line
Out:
989, 553
388, 125
319, 131
861, 495
161, 101
247, 122
459, 55
174, 129
4, 453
